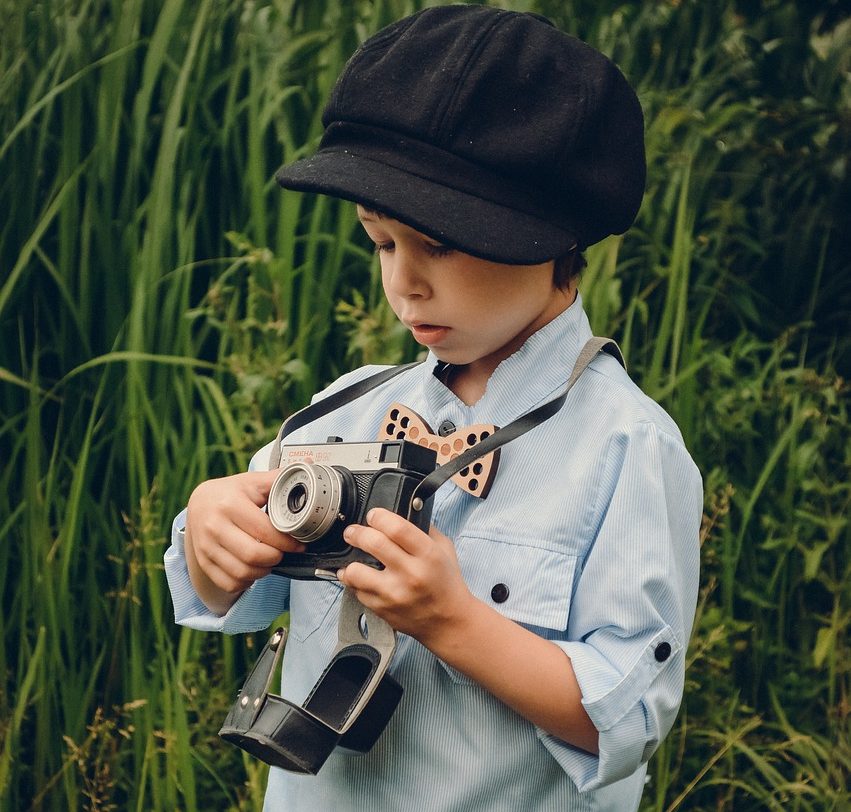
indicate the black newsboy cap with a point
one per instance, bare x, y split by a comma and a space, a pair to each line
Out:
488, 130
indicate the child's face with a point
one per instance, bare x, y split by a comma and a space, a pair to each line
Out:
468, 311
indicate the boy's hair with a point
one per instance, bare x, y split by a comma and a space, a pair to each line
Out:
567, 267
488, 130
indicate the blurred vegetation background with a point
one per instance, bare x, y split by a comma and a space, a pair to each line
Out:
163, 305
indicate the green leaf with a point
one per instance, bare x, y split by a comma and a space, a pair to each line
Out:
825, 640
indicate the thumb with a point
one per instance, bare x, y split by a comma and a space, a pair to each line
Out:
258, 484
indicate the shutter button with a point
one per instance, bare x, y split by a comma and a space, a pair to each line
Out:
499, 594
446, 428
662, 652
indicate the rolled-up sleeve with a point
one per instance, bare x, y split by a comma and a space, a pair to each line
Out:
254, 610
633, 604
264, 600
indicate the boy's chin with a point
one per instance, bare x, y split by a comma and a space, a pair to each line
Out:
451, 358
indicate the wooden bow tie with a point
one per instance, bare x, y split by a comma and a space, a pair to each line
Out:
402, 423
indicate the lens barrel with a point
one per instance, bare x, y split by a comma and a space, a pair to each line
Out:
306, 500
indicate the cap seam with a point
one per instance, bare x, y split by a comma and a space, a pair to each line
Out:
339, 93
582, 131
585, 125
582, 117
439, 130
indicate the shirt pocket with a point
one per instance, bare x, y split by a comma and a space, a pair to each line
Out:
531, 585
310, 603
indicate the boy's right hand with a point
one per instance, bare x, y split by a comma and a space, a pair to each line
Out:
229, 540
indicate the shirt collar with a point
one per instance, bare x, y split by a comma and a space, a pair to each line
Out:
527, 378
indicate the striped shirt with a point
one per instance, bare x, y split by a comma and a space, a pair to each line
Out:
591, 526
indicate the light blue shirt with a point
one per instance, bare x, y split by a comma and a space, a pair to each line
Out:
592, 525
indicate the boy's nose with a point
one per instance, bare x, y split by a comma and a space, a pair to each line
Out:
405, 276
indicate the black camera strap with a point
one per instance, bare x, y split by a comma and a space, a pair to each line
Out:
334, 401
521, 425
499, 438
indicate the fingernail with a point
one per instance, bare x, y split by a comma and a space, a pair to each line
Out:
348, 532
370, 516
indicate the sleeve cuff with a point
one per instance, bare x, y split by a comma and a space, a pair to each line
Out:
253, 611
614, 704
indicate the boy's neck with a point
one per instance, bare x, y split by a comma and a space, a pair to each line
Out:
468, 382
467, 387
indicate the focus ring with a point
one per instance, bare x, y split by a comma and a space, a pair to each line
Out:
308, 518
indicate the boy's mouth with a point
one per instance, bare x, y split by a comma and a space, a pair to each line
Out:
428, 333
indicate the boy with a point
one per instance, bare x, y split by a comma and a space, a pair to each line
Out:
543, 628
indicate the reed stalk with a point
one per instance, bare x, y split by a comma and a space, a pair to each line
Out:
163, 306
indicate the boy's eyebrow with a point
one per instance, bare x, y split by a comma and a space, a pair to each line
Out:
371, 214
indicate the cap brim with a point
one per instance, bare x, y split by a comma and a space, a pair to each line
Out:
452, 217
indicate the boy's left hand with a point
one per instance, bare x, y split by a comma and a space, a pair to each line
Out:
420, 591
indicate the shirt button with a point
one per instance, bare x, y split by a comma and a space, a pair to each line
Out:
446, 428
662, 652
499, 594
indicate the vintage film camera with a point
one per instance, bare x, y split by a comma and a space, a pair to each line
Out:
325, 487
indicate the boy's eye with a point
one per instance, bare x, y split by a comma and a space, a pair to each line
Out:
432, 249
438, 250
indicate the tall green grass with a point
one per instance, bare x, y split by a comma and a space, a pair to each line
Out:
162, 305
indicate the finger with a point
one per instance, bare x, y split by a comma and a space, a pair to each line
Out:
244, 508
234, 511
363, 579
257, 484
376, 543
227, 571
249, 550
263, 530
440, 540
407, 536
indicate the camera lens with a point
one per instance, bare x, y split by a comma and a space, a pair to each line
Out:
297, 498
305, 500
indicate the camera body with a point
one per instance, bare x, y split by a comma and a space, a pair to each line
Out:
324, 487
